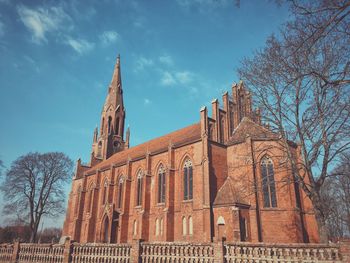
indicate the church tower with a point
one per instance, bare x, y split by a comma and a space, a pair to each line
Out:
111, 137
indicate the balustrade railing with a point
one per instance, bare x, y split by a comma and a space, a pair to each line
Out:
6, 252
245, 252
47, 253
98, 253
176, 253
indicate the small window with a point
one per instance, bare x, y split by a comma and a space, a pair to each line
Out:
161, 227
120, 192
190, 226
184, 226
99, 149
161, 184
157, 227
139, 189
135, 228
188, 180
268, 183
109, 124
117, 126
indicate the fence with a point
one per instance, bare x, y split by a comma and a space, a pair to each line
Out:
174, 252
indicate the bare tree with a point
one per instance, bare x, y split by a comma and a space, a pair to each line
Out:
34, 187
301, 82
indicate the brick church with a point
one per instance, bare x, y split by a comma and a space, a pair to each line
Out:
224, 177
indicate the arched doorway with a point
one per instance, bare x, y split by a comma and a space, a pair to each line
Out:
105, 230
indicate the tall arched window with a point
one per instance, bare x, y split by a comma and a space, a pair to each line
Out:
109, 124
161, 184
268, 182
117, 126
102, 125
222, 129
99, 149
184, 226
190, 226
139, 189
105, 192
188, 180
120, 192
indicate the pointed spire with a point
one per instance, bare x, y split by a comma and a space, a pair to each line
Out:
116, 79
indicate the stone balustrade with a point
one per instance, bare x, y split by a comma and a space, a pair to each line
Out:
47, 253
246, 252
177, 252
6, 251
174, 252
95, 253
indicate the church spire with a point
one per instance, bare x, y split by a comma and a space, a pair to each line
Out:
111, 137
116, 79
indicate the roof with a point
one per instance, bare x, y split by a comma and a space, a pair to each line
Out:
176, 138
253, 129
228, 194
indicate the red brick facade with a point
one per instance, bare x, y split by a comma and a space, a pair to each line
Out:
222, 178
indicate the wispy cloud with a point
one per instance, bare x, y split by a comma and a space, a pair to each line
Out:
80, 45
166, 60
109, 37
146, 101
142, 63
203, 5
184, 77
43, 20
167, 79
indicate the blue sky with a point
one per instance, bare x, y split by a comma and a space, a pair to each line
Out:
57, 59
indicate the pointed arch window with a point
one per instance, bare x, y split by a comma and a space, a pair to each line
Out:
117, 126
190, 226
99, 150
120, 192
184, 226
102, 125
188, 180
161, 184
139, 189
105, 192
109, 124
268, 182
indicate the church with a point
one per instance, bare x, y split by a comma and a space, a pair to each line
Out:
222, 178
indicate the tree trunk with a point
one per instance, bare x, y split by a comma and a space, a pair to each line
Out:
321, 219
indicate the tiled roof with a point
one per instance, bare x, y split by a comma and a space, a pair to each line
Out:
179, 137
255, 131
228, 194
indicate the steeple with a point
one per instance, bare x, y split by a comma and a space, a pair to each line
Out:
111, 137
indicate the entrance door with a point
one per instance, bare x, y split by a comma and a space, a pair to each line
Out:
242, 227
106, 230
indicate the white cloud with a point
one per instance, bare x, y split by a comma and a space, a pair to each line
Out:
109, 37
167, 79
80, 45
166, 59
184, 77
203, 5
43, 20
143, 62
146, 101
